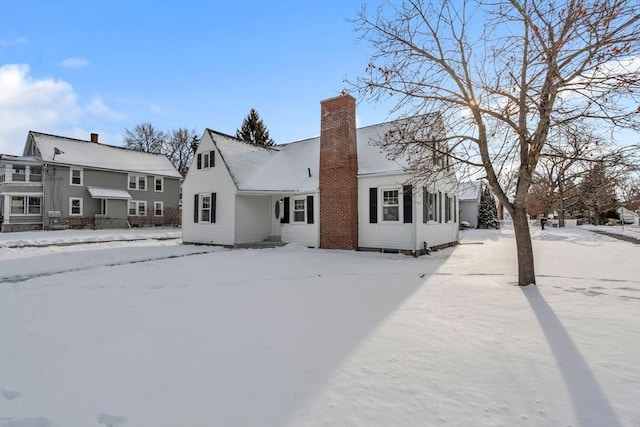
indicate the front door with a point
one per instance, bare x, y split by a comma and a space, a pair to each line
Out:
275, 207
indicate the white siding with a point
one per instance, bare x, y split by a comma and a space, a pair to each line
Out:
252, 218
469, 212
398, 235
212, 180
304, 234
436, 233
383, 234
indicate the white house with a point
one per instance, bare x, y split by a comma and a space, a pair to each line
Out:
336, 191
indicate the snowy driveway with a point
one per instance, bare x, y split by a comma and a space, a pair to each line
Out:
154, 333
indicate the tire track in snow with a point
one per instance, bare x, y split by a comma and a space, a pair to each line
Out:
17, 278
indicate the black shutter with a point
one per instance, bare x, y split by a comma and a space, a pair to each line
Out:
199, 161
195, 208
407, 202
213, 207
439, 204
373, 205
212, 158
285, 214
309, 209
425, 205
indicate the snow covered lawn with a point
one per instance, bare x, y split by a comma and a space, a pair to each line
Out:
152, 333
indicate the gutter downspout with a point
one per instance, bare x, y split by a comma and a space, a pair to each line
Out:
415, 220
44, 205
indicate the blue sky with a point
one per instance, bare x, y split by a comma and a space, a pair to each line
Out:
76, 67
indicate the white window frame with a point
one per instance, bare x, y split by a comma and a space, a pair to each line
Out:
384, 205
80, 205
136, 207
11, 211
25, 205
432, 206
71, 171
303, 202
205, 208
155, 209
137, 179
156, 180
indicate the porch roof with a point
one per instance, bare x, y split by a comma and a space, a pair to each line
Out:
108, 193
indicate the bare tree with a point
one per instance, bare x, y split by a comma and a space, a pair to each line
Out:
568, 159
144, 137
502, 74
179, 149
176, 144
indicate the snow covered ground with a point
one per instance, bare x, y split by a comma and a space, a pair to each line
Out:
153, 333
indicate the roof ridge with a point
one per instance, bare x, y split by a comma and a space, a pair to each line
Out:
97, 144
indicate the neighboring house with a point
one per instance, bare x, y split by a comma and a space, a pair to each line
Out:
469, 194
336, 191
62, 182
627, 216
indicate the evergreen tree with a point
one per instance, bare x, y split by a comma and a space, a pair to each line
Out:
488, 213
254, 130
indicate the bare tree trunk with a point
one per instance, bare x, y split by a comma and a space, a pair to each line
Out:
526, 270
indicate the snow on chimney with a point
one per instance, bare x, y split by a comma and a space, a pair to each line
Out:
338, 173
94, 138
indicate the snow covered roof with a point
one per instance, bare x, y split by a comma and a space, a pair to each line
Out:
469, 190
19, 159
294, 167
77, 152
108, 193
242, 158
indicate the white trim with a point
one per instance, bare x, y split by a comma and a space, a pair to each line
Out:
25, 203
138, 178
137, 204
71, 170
71, 200
155, 204
399, 205
294, 210
161, 178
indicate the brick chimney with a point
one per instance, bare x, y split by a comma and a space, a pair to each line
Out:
338, 173
94, 138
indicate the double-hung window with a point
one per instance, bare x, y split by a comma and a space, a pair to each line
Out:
390, 205
205, 208
137, 208
158, 208
299, 210
138, 182
75, 206
206, 160
158, 184
75, 176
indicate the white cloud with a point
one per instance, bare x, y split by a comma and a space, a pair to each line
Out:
41, 104
18, 41
97, 107
75, 63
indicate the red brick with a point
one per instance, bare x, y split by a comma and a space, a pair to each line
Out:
338, 174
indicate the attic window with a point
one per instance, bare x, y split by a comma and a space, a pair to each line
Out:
206, 160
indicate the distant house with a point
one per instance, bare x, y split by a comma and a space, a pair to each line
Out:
62, 182
336, 191
469, 194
